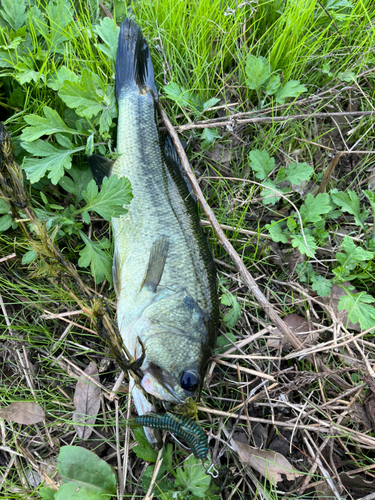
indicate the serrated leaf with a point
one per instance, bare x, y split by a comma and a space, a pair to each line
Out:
233, 315
371, 198
261, 163
257, 72
353, 254
114, 194
314, 208
193, 477
95, 256
56, 80
208, 137
183, 97
359, 309
84, 475
299, 242
321, 285
349, 202
86, 97
51, 124
108, 32
276, 232
298, 172
77, 182
51, 159
13, 12
293, 88
270, 196
222, 341
146, 454
273, 85
47, 493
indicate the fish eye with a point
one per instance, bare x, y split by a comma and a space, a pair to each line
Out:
189, 380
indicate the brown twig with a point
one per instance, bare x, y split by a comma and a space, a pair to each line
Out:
329, 172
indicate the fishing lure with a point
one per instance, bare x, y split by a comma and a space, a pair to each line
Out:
181, 426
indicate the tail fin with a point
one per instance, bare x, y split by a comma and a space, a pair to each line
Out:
134, 69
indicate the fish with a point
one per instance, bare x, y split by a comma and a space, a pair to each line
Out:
164, 274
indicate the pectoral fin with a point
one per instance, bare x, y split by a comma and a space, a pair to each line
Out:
100, 167
158, 256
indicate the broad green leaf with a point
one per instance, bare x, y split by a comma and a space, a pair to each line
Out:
353, 254
56, 80
270, 196
321, 285
208, 137
295, 173
77, 182
193, 478
108, 32
261, 163
86, 97
147, 454
114, 194
82, 467
60, 14
47, 493
52, 159
13, 12
276, 232
257, 72
359, 308
293, 88
233, 315
371, 198
5, 222
51, 124
36, 18
183, 97
29, 256
94, 255
273, 84
299, 242
223, 342
210, 103
314, 208
349, 202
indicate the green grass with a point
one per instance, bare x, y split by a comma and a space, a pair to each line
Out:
202, 47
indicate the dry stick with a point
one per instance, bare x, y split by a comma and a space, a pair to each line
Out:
265, 119
245, 275
329, 172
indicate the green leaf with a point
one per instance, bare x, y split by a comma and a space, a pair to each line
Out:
233, 315
56, 80
270, 196
51, 124
114, 194
208, 137
144, 450
359, 310
13, 12
349, 202
193, 478
314, 208
298, 172
273, 84
86, 97
108, 32
293, 88
299, 242
77, 182
257, 72
95, 256
321, 285
53, 159
276, 232
371, 198
5, 222
223, 342
210, 103
29, 256
47, 493
261, 163
353, 254
84, 470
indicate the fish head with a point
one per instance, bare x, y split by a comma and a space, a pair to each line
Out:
177, 346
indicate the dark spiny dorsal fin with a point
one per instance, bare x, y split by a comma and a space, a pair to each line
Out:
100, 167
158, 256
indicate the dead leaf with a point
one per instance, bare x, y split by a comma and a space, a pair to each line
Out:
270, 464
370, 408
356, 481
300, 327
86, 402
323, 491
23, 412
358, 414
332, 300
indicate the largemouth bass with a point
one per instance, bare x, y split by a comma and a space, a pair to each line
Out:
163, 271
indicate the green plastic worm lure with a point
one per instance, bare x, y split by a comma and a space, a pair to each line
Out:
182, 427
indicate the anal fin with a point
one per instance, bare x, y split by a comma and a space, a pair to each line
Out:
100, 167
155, 268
